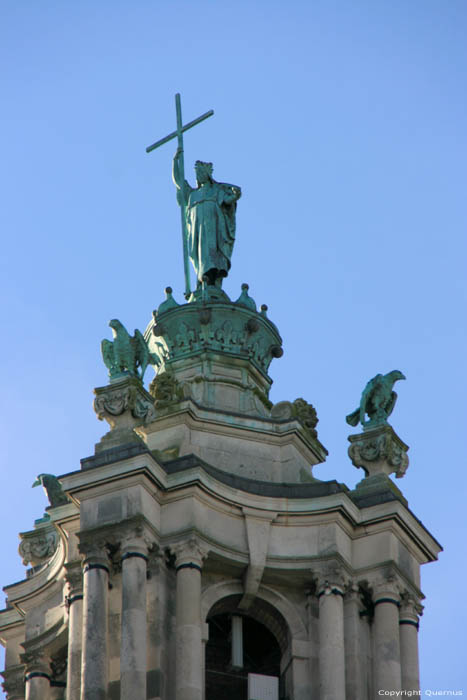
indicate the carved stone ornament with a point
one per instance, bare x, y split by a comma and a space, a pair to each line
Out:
125, 404
38, 546
13, 683
300, 409
223, 327
191, 550
330, 578
166, 390
379, 451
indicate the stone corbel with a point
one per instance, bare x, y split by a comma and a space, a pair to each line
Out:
258, 526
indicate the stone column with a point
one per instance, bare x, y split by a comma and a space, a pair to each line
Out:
189, 646
94, 667
408, 629
74, 600
13, 683
355, 680
331, 640
387, 663
37, 675
133, 655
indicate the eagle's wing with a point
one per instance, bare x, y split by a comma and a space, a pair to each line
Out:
107, 350
390, 404
141, 351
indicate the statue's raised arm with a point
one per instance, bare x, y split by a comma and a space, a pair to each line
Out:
183, 187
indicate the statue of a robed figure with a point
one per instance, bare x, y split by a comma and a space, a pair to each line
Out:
207, 214
210, 220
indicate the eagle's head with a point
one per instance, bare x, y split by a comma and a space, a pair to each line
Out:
40, 480
115, 325
395, 375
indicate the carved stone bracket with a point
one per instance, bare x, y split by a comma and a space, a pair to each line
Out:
38, 546
124, 406
379, 451
126, 397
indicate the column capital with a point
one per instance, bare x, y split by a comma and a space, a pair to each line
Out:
331, 579
36, 660
190, 553
352, 593
410, 610
386, 588
13, 683
135, 537
94, 552
74, 577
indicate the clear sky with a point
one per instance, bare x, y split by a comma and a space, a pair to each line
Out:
344, 124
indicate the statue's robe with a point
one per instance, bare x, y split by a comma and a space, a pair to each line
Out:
210, 216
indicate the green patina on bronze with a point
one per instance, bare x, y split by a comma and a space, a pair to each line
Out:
220, 326
126, 355
378, 400
210, 221
52, 488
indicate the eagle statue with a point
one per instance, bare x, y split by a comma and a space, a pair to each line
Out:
53, 489
378, 399
126, 354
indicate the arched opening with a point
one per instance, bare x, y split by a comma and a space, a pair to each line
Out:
241, 644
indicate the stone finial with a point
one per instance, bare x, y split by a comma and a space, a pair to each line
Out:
245, 300
377, 401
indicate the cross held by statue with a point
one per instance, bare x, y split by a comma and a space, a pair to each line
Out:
179, 134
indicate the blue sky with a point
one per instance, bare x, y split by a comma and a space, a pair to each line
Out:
344, 124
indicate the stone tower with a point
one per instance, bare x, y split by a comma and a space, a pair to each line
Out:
194, 556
